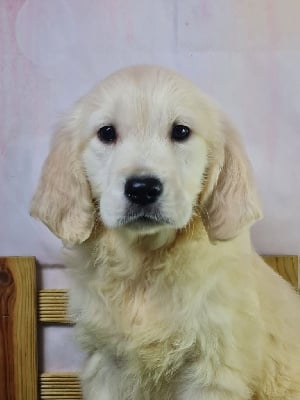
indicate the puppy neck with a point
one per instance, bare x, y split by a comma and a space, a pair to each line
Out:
148, 241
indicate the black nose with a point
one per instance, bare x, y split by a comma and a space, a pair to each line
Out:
143, 189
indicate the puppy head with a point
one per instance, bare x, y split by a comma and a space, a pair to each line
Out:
149, 150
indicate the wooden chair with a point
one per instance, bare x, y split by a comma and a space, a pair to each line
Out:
23, 308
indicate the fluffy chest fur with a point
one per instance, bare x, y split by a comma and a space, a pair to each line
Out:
157, 314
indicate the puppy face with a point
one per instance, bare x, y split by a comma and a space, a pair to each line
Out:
147, 153
149, 150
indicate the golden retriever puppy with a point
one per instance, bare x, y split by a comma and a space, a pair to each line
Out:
149, 187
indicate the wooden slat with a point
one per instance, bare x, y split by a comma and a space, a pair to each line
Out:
286, 266
18, 345
53, 306
59, 386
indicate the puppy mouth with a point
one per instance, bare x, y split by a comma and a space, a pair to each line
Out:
142, 219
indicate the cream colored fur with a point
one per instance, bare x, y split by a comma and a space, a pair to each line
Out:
184, 310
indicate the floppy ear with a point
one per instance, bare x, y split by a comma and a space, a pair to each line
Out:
62, 200
230, 201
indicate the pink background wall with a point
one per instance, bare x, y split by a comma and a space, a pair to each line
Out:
244, 53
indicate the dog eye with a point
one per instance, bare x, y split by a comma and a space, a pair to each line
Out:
180, 133
107, 134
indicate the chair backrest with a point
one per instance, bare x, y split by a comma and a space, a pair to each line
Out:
23, 308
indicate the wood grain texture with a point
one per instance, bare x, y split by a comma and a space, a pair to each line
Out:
18, 330
60, 386
286, 266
